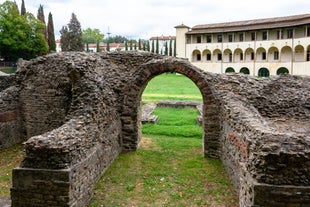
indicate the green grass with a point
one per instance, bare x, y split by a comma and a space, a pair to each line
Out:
174, 122
171, 87
8, 70
9, 159
167, 170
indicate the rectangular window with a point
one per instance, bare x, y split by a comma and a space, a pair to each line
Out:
265, 35
289, 33
209, 39
208, 57
198, 39
219, 56
253, 36
241, 37
241, 56
276, 55
219, 38
230, 38
308, 55
252, 55
198, 57
263, 55
308, 31
278, 34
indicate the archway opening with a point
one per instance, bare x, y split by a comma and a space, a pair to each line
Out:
245, 70
263, 72
282, 70
171, 106
229, 70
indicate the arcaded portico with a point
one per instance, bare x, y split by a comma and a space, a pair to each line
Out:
78, 111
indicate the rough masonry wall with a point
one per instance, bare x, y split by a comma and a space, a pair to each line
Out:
87, 134
10, 119
80, 110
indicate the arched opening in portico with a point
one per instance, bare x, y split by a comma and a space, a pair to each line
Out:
131, 115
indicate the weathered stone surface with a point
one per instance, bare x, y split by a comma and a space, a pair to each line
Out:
78, 111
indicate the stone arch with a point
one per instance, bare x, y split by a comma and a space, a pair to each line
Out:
249, 54
282, 70
131, 113
286, 54
261, 54
227, 56
238, 55
245, 70
299, 53
207, 55
229, 70
196, 56
273, 54
263, 72
217, 55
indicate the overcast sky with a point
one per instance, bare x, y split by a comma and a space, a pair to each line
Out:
147, 18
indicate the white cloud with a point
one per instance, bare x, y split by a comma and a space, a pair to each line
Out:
146, 18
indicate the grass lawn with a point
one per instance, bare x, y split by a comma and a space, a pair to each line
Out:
8, 70
9, 159
168, 170
171, 87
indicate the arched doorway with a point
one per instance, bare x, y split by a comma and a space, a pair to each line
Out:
245, 70
282, 70
131, 113
263, 72
229, 70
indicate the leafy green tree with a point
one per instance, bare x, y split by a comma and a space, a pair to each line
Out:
71, 36
98, 36
88, 37
20, 36
23, 9
116, 39
50, 33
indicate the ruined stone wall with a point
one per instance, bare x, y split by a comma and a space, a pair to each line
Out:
260, 155
85, 141
80, 110
10, 119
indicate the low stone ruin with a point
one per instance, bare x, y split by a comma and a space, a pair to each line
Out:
76, 112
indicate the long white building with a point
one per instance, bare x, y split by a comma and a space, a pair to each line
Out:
260, 47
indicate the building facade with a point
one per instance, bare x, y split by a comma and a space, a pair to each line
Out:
261, 47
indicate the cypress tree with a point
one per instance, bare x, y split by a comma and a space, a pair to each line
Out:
126, 45
130, 44
166, 48
157, 46
170, 47
50, 33
175, 48
135, 45
23, 9
139, 44
153, 47
41, 17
